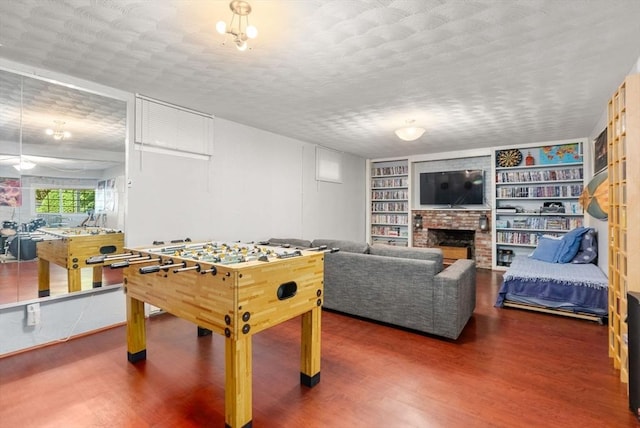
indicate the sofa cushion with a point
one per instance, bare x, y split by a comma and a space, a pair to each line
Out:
433, 254
294, 242
349, 246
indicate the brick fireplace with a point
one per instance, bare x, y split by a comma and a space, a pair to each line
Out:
455, 227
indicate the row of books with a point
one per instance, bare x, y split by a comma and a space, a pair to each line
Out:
541, 223
390, 182
390, 170
389, 194
539, 191
522, 238
390, 219
540, 175
389, 206
390, 231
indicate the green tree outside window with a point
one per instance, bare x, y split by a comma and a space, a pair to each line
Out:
65, 201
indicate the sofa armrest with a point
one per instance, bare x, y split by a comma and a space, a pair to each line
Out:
455, 297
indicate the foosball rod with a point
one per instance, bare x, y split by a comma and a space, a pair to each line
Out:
107, 258
128, 263
196, 267
158, 268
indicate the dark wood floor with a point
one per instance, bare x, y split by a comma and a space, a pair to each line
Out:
510, 368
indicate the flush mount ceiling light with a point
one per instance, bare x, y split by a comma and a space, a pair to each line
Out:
409, 132
58, 133
240, 18
24, 165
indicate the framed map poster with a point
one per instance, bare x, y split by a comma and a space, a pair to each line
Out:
563, 153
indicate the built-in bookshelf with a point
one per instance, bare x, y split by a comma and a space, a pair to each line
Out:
535, 195
390, 222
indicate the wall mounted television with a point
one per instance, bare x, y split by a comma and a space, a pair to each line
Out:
452, 188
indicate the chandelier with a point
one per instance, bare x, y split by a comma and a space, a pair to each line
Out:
409, 132
240, 18
58, 133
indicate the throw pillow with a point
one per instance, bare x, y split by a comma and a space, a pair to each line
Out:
588, 250
547, 249
570, 244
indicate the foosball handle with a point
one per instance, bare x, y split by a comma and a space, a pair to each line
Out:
95, 260
150, 269
119, 265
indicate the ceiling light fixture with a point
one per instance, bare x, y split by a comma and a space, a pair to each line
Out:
58, 133
24, 165
243, 31
409, 132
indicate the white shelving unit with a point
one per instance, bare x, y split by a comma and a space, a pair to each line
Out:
389, 202
523, 191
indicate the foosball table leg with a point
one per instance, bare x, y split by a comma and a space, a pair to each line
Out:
97, 276
74, 279
310, 348
237, 385
136, 332
43, 278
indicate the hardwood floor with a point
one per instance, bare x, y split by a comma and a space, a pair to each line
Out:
509, 368
19, 280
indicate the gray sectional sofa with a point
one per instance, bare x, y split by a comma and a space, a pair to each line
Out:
407, 287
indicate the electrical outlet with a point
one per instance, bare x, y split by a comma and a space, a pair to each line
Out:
33, 314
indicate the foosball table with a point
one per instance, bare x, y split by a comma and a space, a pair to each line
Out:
75, 248
234, 290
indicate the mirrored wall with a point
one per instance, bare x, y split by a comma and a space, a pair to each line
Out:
62, 175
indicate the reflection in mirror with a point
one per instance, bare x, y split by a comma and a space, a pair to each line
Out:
62, 180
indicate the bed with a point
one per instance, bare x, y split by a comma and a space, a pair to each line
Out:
577, 290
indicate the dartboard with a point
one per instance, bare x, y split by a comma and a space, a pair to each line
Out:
510, 157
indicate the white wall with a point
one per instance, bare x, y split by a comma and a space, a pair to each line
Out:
257, 185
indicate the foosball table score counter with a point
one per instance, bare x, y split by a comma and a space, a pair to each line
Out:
233, 290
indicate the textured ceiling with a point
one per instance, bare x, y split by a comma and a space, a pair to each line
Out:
29, 106
344, 74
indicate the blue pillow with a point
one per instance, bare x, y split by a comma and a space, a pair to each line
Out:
570, 244
588, 250
547, 249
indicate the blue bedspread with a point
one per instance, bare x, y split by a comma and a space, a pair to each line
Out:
575, 287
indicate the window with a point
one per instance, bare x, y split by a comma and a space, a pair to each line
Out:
65, 201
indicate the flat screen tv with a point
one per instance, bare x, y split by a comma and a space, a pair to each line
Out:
452, 188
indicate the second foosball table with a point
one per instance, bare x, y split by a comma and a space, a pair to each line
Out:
74, 249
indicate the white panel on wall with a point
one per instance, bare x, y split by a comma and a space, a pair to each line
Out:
328, 165
164, 126
61, 318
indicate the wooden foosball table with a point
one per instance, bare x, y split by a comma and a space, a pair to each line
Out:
75, 248
232, 290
